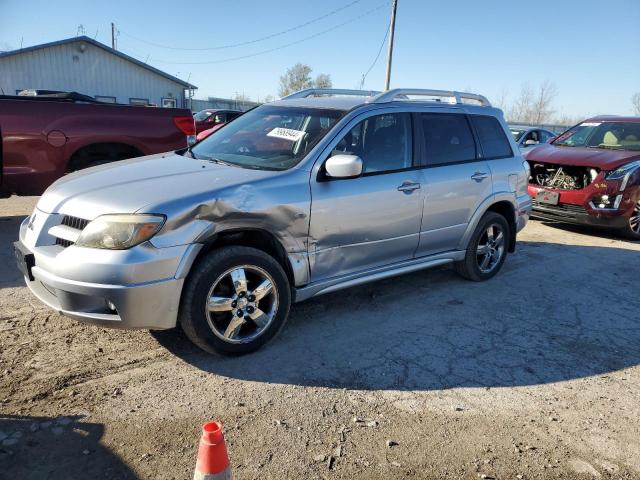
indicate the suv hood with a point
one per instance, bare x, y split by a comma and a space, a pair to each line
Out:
130, 185
604, 159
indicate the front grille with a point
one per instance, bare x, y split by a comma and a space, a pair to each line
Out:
63, 243
74, 222
562, 209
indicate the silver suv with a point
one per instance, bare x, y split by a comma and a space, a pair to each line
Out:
323, 190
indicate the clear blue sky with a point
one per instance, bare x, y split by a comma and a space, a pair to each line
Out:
590, 49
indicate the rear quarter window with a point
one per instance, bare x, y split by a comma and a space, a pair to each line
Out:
492, 137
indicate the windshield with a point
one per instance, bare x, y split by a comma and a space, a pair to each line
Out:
202, 115
268, 137
613, 135
517, 134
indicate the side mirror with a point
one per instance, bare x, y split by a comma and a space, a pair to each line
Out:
528, 143
343, 166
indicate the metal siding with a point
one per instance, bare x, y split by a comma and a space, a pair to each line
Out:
97, 72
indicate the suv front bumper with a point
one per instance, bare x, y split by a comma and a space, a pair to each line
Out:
576, 207
135, 288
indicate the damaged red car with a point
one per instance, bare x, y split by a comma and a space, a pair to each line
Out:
590, 175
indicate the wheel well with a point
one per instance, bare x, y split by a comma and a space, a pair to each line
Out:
506, 209
97, 153
259, 239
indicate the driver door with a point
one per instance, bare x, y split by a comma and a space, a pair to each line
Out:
373, 220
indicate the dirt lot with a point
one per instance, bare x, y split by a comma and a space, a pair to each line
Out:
534, 374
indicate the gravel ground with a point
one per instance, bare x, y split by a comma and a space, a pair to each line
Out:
534, 374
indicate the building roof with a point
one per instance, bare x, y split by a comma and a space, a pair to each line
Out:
91, 41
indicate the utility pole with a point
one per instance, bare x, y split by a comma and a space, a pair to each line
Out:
113, 36
394, 7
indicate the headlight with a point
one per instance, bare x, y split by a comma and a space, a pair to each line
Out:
119, 232
623, 172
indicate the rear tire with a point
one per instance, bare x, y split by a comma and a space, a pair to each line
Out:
487, 249
234, 301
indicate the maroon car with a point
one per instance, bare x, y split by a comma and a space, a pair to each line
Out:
43, 137
209, 118
590, 175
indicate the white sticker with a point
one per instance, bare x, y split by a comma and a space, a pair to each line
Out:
286, 134
590, 124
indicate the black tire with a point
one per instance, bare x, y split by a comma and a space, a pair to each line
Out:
198, 324
632, 230
469, 267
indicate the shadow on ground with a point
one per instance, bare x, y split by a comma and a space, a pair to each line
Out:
10, 276
587, 230
556, 312
56, 448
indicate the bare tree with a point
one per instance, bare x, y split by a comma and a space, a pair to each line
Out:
298, 77
323, 80
502, 99
534, 106
268, 98
520, 110
240, 99
635, 101
543, 102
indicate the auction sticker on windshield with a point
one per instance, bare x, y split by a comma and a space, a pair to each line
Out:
286, 134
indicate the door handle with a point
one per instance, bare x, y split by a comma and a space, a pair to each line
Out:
479, 176
408, 187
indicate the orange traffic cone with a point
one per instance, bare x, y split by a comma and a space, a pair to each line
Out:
213, 461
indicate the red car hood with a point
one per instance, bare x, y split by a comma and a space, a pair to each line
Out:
604, 159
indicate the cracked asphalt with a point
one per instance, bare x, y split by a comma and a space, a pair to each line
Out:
534, 374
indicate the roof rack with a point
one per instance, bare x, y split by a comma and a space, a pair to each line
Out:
453, 97
309, 92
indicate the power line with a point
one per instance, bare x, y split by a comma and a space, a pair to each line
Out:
248, 42
280, 47
386, 34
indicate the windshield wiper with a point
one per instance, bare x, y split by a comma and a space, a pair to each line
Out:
220, 162
608, 147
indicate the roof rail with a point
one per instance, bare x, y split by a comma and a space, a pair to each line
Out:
453, 97
309, 92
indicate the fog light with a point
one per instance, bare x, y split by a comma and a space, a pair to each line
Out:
602, 202
110, 305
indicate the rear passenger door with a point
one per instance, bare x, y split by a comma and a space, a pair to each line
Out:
457, 179
505, 164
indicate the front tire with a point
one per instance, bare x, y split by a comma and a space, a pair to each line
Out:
234, 301
632, 229
487, 249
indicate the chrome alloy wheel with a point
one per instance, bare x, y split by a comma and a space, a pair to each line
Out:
634, 219
490, 249
241, 304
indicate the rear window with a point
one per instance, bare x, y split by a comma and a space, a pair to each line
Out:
492, 138
447, 139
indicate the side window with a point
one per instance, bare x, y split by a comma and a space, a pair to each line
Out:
383, 142
447, 138
544, 136
492, 137
532, 135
